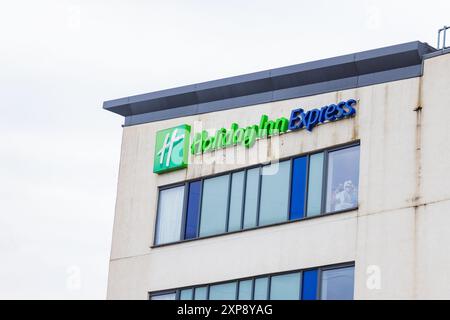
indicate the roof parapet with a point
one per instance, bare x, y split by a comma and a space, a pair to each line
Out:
339, 73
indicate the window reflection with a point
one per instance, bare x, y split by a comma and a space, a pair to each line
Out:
169, 215
337, 284
213, 216
343, 176
274, 193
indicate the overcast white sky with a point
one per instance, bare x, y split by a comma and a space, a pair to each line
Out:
59, 60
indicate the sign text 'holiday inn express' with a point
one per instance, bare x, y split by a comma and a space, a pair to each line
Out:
172, 145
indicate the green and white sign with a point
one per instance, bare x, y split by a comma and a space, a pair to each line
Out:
171, 149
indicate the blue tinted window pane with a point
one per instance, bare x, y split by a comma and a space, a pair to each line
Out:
309, 285
315, 184
193, 210
213, 216
298, 188
166, 296
343, 177
251, 198
186, 294
201, 293
236, 198
261, 287
225, 291
170, 211
245, 290
337, 284
285, 287
274, 193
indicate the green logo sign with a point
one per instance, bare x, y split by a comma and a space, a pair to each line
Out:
172, 149
172, 145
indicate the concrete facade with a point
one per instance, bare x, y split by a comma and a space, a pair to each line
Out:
401, 228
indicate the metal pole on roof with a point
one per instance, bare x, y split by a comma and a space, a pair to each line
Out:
444, 38
439, 39
445, 33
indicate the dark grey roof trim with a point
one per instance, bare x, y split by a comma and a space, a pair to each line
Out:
345, 72
436, 53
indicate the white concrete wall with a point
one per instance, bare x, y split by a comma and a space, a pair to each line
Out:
433, 211
401, 226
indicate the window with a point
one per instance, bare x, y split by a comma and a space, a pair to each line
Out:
315, 184
285, 287
337, 284
186, 294
261, 288
193, 210
236, 201
169, 215
201, 293
327, 283
251, 198
225, 291
274, 193
293, 189
245, 290
309, 285
298, 189
343, 174
213, 217
164, 296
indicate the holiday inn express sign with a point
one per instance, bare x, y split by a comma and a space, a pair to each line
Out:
173, 145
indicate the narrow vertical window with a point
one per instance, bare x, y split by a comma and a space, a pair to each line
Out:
201, 293
193, 210
298, 191
274, 193
170, 212
251, 198
261, 288
245, 290
186, 294
285, 287
309, 285
213, 217
343, 177
315, 184
236, 199
337, 284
